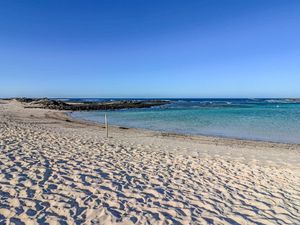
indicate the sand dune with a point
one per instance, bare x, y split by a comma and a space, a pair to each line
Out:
66, 172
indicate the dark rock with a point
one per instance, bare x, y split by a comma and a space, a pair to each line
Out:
46, 103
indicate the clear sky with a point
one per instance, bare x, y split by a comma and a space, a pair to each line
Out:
141, 48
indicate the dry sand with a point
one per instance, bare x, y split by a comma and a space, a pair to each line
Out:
60, 171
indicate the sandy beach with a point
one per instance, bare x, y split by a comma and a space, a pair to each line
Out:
58, 170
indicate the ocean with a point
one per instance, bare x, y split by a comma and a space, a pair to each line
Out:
276, 120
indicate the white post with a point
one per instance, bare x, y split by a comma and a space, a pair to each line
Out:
106, 124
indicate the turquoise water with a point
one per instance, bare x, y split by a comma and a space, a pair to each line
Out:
269, 120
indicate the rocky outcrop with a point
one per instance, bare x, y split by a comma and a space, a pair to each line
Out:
294, 100
46, 103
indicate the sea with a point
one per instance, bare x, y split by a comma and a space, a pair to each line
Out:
276, 120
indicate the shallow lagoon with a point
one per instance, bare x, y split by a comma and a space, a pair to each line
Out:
255, 119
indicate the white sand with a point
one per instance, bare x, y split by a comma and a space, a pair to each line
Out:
56, 171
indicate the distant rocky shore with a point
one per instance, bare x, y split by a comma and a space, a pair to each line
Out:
46, 103
296, 100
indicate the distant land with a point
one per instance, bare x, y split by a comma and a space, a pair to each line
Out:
46, 103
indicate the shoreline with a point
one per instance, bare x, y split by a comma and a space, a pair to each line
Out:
211, 141
191, 136
260, 151
45, 103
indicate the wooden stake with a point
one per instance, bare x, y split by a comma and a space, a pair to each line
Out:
106, 124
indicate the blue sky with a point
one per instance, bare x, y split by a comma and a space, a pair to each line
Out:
139, 48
